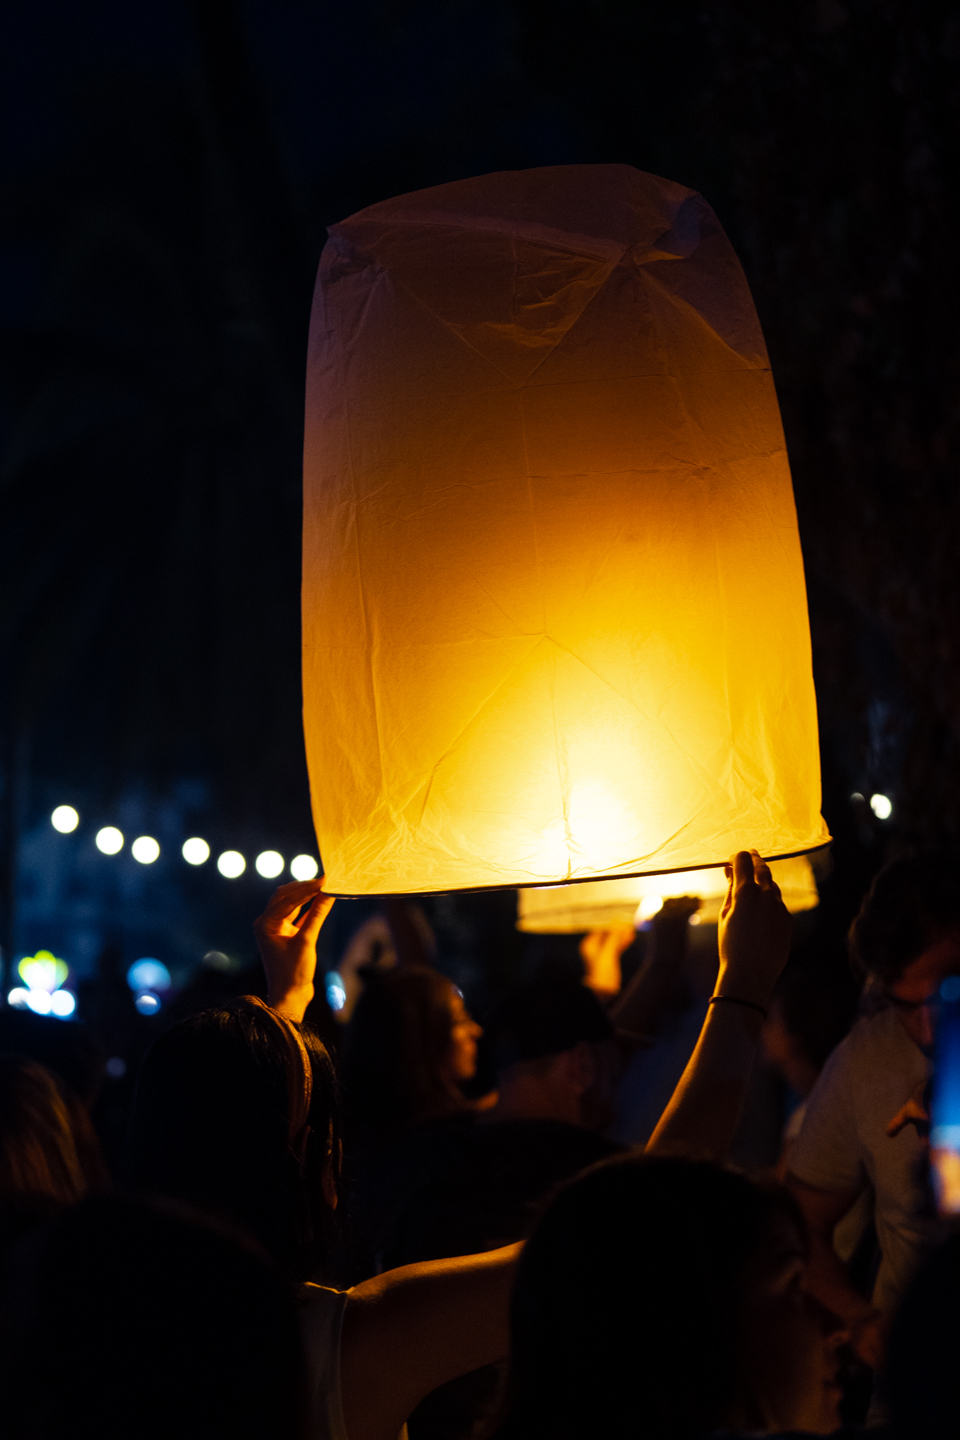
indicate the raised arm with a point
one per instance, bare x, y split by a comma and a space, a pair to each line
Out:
409, 1330
287, 942
702, 1115
600, 952
659, 984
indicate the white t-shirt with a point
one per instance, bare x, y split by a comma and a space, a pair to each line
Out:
321, 1323
843, 1144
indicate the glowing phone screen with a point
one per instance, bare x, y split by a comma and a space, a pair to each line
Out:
945, 1107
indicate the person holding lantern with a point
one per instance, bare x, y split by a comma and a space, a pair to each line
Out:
548, 389
255, 1075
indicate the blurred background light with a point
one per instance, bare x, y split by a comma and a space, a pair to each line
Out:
145, 849
882, 806
647, 908
336, 991
43, 971
269, 864
65, 819
147, 1003
109, 840
304, 867
148, 974
231, 864
43, 974
950, 989
195, 851
217, 960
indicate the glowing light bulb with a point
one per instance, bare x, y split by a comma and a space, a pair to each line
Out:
148, 974
145, 849
62, 1004
882, 806
39, 1002
64, 819
109, 840
146, 1003
231, 864
304, 867
17, 997
269, 864
195, 851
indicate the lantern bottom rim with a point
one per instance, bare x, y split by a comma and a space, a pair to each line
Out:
578, 880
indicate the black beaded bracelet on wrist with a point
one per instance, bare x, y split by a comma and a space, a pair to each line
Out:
732, 1000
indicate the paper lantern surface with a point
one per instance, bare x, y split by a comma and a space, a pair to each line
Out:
554, 616
598, 904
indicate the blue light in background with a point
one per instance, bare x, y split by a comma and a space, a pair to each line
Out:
148, 974
336, 994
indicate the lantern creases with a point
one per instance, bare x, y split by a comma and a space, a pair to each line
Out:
554, 613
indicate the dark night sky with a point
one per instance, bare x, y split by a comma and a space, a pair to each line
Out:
164, 208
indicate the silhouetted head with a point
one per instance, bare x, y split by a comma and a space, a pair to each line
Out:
409, 1046
236, 1112
922, 1382
812, 1009
912, 903
661, 1298
554, 1053
126, 1320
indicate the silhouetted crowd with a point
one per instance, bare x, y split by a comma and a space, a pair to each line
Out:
347, 1237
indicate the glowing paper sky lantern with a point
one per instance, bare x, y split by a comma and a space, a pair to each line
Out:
554, 613
598, 904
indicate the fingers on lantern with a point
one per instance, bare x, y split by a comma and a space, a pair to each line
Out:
554, 614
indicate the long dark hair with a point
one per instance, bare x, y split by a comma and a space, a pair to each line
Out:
625, 1308
47, 1144
236, 1111
392, 1064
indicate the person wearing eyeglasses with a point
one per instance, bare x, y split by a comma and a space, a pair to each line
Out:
905, 941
